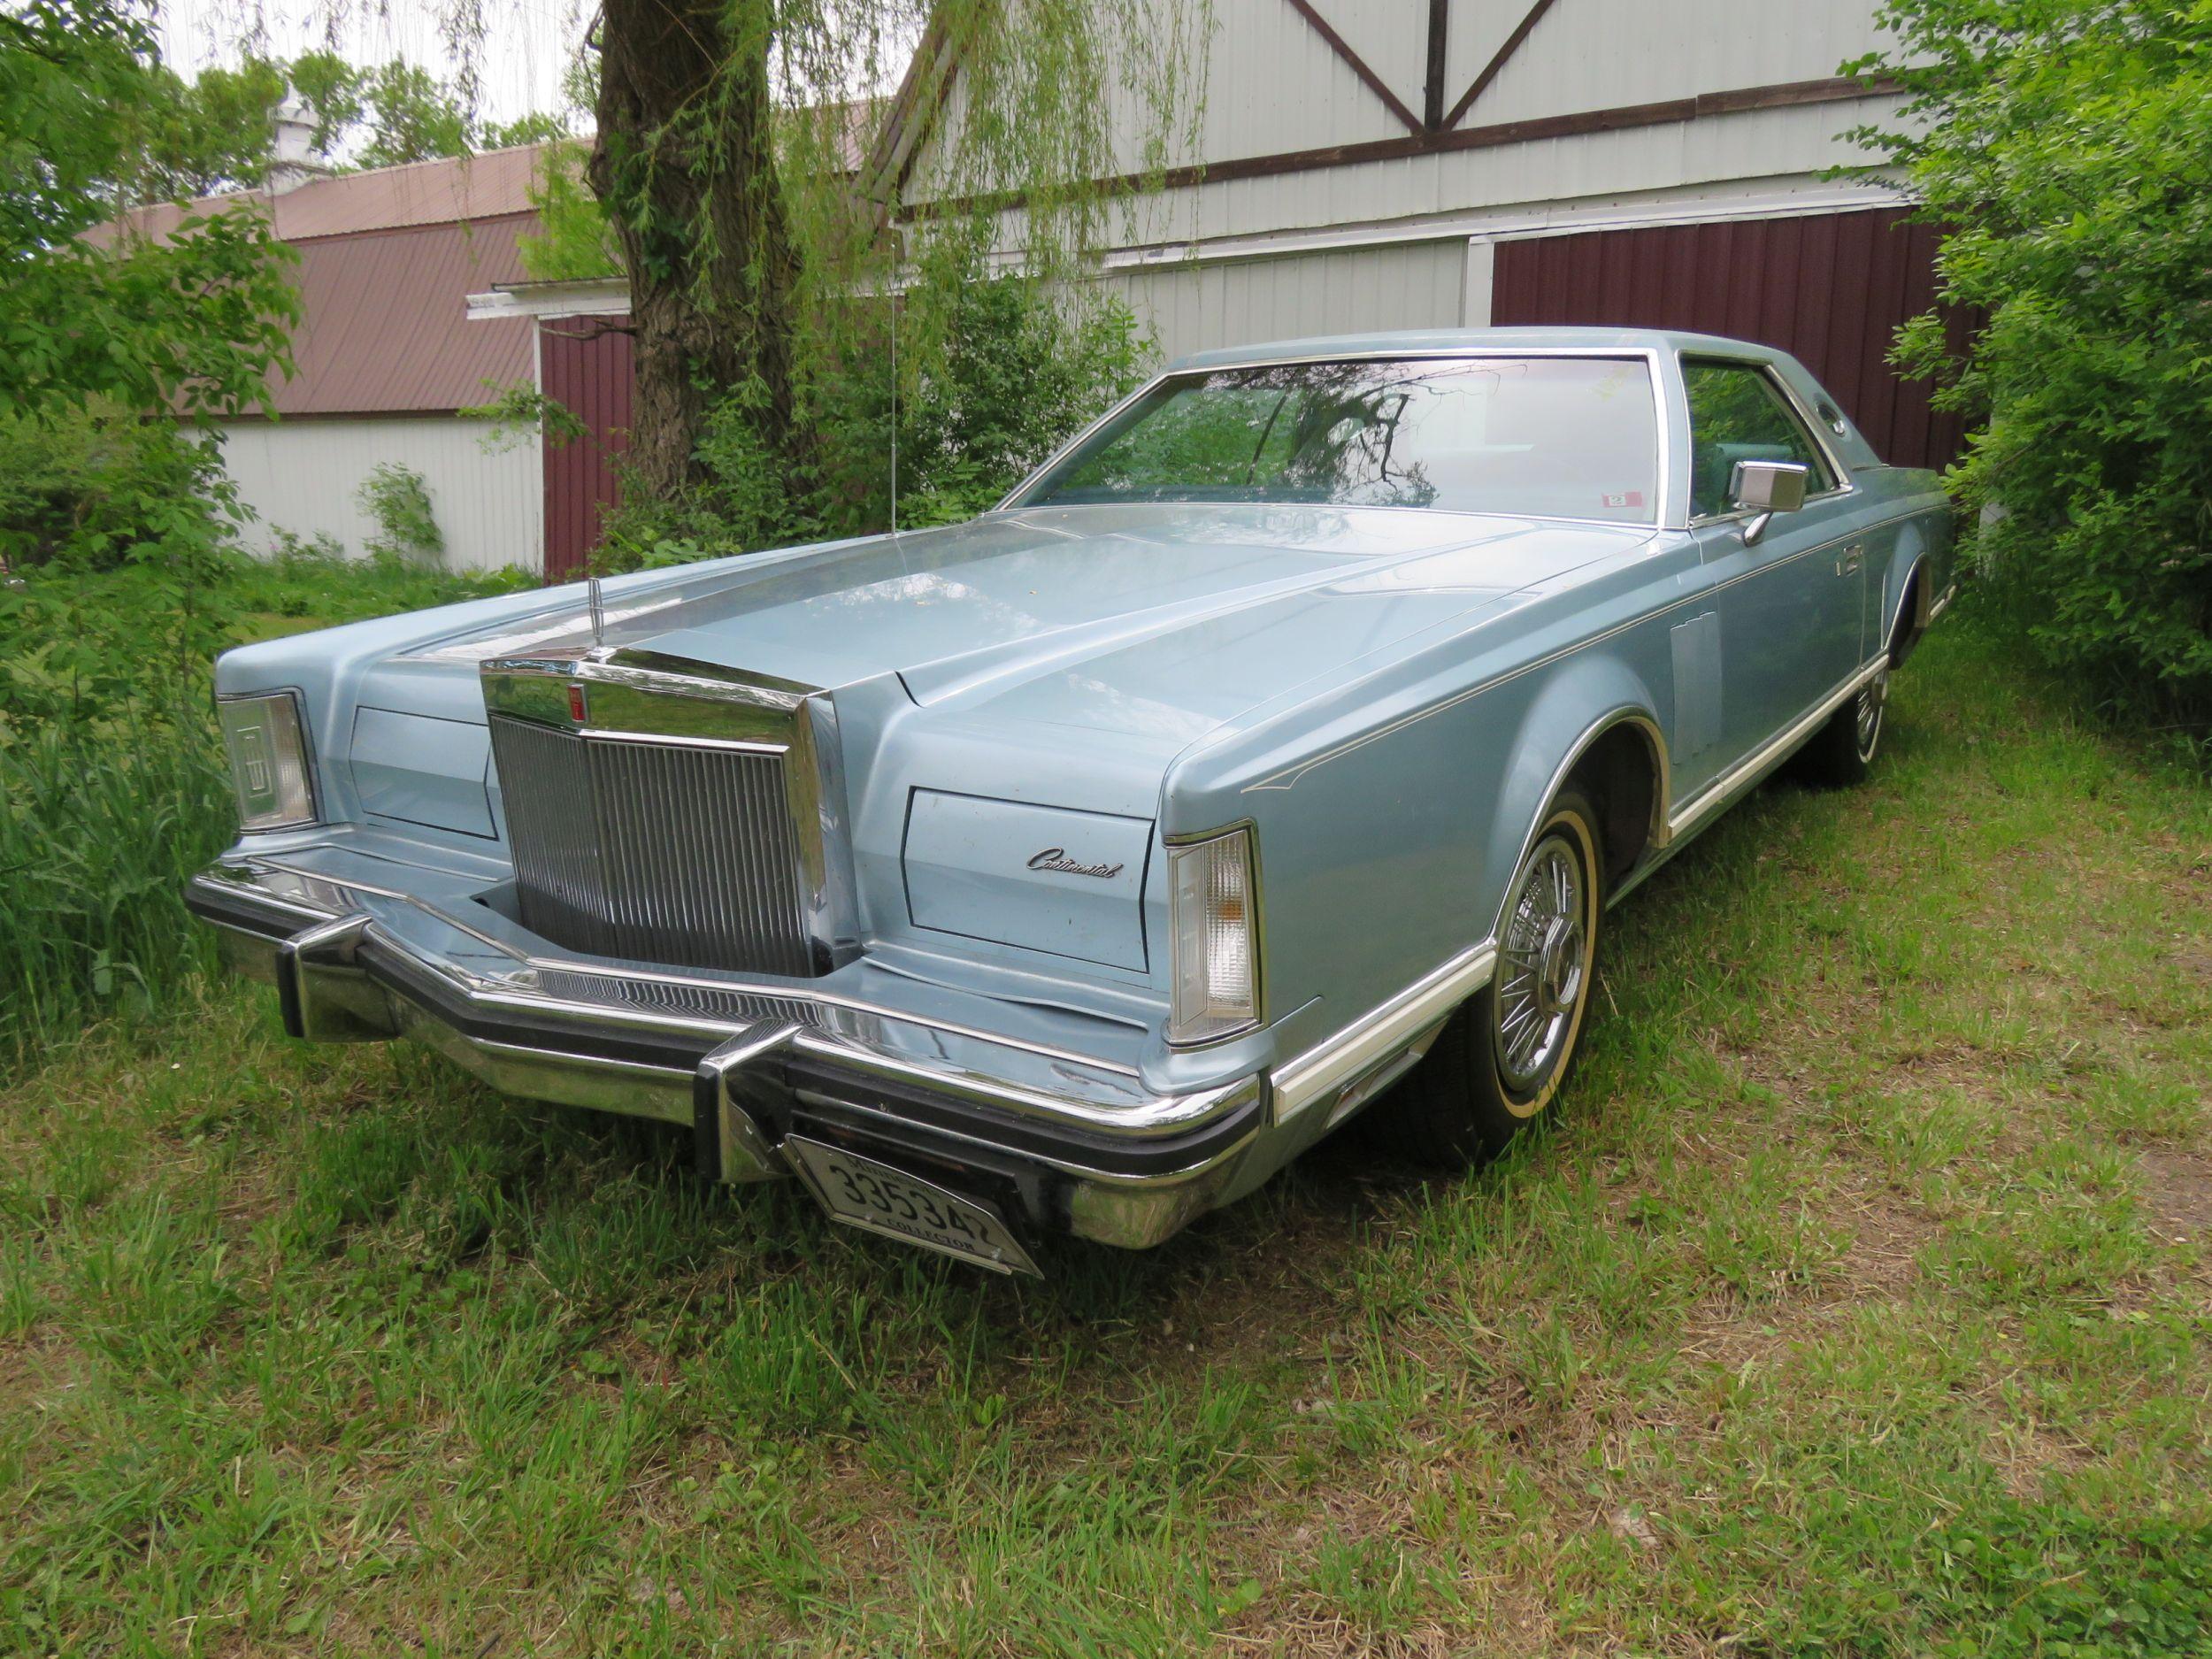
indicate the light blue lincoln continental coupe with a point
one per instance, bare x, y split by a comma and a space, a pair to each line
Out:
1282, 741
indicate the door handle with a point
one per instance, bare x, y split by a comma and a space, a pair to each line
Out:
1847, 562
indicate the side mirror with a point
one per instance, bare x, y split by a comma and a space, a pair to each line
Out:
1768, 486
1764, 488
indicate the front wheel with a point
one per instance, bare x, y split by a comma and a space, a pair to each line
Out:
1502, 1056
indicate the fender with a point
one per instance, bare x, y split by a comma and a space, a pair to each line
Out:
1916, 558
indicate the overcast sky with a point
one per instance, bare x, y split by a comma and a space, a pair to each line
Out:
528, 45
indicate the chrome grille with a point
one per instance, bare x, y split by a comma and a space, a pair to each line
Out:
671, 852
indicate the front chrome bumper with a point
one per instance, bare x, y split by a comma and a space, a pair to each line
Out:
1068, 1141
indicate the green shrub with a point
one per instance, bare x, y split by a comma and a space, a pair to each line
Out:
112, 787
2068, 147
398, 498
90, 489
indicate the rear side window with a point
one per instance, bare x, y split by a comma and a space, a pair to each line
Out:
1737, 413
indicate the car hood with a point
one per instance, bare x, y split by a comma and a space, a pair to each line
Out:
1160, 618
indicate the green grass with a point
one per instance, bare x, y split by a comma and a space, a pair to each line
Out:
1854, 1303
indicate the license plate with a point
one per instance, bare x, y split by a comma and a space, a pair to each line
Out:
865, 1194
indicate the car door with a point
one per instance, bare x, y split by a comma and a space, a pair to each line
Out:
1786, 601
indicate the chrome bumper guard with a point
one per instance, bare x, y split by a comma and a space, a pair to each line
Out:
1067, 1142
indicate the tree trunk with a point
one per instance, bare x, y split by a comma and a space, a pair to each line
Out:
685, 164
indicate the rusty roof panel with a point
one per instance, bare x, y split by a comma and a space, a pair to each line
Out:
384, 325
489, 186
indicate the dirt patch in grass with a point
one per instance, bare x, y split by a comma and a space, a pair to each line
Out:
2177, 1193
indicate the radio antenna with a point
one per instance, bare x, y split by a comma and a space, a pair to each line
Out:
894, 406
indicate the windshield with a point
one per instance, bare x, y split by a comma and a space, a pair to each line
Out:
1545, 436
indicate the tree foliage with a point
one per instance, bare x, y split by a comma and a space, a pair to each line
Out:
191, 320
214, 131
573, 241
957, 434
2067, 147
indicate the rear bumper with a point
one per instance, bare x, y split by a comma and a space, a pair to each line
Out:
1068, 1141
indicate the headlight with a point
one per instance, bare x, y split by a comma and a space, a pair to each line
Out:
1211, 904
267, 743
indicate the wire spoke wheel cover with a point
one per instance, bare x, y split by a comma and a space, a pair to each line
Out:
1872, 701
1543, 966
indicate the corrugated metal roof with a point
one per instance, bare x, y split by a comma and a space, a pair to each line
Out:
384, 325
489, 186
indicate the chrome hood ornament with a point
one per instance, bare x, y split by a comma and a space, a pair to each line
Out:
598, 611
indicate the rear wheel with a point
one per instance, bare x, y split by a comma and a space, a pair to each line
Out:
1841, 753
1501, 1058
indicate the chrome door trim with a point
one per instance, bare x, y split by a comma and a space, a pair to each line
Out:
1772, 753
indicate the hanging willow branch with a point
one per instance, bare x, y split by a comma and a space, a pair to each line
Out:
740, 170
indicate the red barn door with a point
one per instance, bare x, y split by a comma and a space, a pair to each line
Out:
584, 366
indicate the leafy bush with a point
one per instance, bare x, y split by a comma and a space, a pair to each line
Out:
93, 490
1021, 374
2068, 146
398, 498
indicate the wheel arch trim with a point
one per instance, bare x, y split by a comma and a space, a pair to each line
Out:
1894, 608
1646, 725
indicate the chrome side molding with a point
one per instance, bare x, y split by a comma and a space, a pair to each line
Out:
1380, 1035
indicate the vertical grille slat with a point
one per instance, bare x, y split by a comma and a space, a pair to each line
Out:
659, 852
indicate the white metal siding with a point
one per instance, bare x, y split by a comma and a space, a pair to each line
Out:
1190, 308
1751, 151
304, 475
1600, 54
1273, 85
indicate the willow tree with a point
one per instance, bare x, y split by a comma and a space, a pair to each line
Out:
727, 135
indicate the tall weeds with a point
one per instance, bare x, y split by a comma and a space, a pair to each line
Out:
112, 786
100, 825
